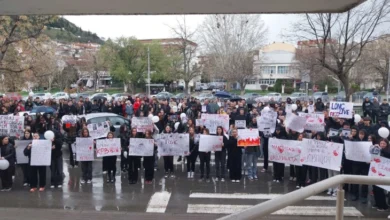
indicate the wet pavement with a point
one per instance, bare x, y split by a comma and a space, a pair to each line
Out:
173, 198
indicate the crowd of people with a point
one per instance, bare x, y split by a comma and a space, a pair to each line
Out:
232, 162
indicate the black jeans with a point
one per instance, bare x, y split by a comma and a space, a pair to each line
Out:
380, 197
220, 163
6, 177
38, 173
72, 159
149, 168
301, 173
235, 165
292, 171
133, 162
204, 160
56, 171
362, 169
26, 172
265, 152
86, 169
168, 164
278, 170
124, 162
191, 160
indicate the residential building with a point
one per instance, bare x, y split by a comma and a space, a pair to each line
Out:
274, 61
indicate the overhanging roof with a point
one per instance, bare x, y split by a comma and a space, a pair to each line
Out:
63, 7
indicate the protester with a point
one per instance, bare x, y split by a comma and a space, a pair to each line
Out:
7, 151
149, 162
133, 161
37, 173
86, 166
110, 163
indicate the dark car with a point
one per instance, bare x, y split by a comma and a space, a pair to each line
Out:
43, 109
358, 96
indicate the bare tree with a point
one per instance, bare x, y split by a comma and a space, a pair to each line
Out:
186, 65
230, 42
339, 39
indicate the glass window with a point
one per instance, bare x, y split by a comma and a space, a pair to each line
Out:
115, 120
269, 69
283, 69
97, 120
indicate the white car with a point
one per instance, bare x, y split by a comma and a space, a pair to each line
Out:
276, 97
42, 96
106, 95
60, 95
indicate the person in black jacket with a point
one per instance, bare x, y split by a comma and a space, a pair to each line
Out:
193, 154
87, 106
367, 107
205, 161
36, 171
279, 167
168, 160
124, 136
220, 157
95, 107
134, 162
375, 110
379, 193
7, 153
319, 106
86, 166
235, 155
384, 111
56, 162
70, 109
26, 167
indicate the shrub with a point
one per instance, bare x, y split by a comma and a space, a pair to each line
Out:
271, 89
263, 87
288, 90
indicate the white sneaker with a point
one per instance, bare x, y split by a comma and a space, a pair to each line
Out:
298, 187
295, 179
59, 186
291, 178
89, 181
233, 181
334, 194
82, 181
329, 192
188, 175
216, 179
76, 166
25, 184
222, 179
192, 174
52, 186
237, 181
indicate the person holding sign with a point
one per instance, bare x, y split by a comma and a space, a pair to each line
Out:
191, 158
205, 161
7, 153
36, 171
110, 163
26, 167
56, 162
360, 168
168, 160
134, 162
235, 155
86, 166
123, 135
220, 157
149, 162
379, 193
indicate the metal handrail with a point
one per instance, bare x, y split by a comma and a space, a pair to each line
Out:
270, 206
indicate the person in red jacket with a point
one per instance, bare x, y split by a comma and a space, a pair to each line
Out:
136, 106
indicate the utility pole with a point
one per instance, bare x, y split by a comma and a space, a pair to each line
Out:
149, 73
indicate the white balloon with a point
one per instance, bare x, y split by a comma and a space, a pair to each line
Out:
4, 164
49, 135
155, 119
266, 108
125, 154
383, 132
278, 121
294, 107
357, 118
150, 116
183, 115
174, 109
31, 93
177, 125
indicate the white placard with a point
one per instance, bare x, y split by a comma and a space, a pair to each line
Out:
173, 144
346, 132
333, 132
41, 153
284, 151
142, 124
314, 121
20, 146
248, 137
295, 123
380, 166
108, 147
358, 150
212, 121
99, 130
204, 108
16, 126
322, 154
341, 109
288, 108
267, 121
84, 149
141, 147
310, 109
240, 123
208, 143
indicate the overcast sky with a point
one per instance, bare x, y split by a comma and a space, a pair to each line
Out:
158, 26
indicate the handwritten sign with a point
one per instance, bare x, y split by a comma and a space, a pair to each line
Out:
267, 121
295, 123
288, 108
314, 121
98, 130
248, 137
310, 109
240, 123
208, 143
84, 149
212, 121
346, 132
4, 126
322, 154
358, 151
142, 124
380, 166
16, 126
20, 146
108, 147
141, 147
333, 132
284, 151
41, 153
199, 122
173, 144
341, 109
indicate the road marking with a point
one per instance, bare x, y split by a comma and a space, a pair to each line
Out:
251, 196
158, 202
290, 210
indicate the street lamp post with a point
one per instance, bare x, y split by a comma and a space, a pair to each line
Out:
148, 72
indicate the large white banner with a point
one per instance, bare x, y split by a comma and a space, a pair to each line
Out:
267, 121
142, 124
11, 125
141, 147
358, 151
380, 166
84, 149
341, 109
248, 137
98, 130
212, 121
20, 146
322, 154
314, 121
108, 147
41, 153
295, 123
173, 144
284, 151
208, 143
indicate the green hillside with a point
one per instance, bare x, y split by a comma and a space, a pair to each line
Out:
65, 31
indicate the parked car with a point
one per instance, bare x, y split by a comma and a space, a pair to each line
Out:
120, 96
358, 96
140, 95
42, 109
164, 95
60, 95
105, 95
298, 96
273, 96
204, 96
42, 96
323, 95
371, 96
250, 96
179, 96
340, 97
116, 120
